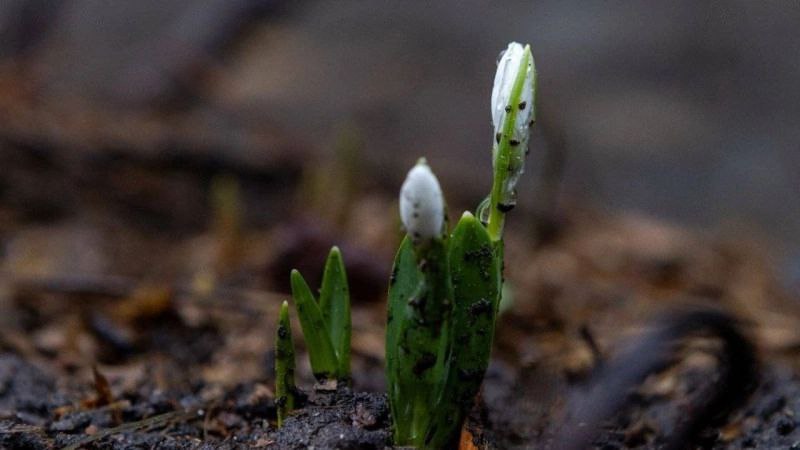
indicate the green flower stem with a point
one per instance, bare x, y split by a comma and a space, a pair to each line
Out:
284, 366
504, 154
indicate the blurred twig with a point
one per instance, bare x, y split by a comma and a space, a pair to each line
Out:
654, 352
151, 422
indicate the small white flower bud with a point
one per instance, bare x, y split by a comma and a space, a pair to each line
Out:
508, 67
512, 100
422, 204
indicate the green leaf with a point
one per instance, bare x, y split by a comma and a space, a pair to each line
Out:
315, 331
417, 336
475, 270
334, 303
284, 366
404, 284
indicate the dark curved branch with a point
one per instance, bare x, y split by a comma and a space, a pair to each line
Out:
653, 352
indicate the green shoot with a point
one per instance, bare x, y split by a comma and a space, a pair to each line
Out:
445, 289
326, 325
419, 308
334, 301
284, 366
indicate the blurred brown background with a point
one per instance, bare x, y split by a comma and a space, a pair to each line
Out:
685, 110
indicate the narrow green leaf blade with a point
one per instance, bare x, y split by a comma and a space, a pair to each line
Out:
334, 302
320, 349
404, 283
284, 366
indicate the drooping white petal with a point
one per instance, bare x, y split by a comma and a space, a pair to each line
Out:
422, 204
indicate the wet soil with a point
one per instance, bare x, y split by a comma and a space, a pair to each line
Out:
512, 416
150, 418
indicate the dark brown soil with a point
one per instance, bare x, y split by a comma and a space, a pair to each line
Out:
340, 419
178, 420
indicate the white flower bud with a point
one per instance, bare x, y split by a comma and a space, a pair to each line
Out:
508, 67
512, 100
422, 204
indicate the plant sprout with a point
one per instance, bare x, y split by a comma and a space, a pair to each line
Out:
284, 366
444, 291
420, 296
446, 287
326, 324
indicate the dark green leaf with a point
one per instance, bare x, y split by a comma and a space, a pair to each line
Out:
334, 303
404, 283
320, 349
476, 279
417, 338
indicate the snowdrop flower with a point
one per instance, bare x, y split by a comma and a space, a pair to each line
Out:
516, 61
513, 113
422, 204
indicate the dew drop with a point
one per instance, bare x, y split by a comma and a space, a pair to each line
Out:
509, 199
483, 210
